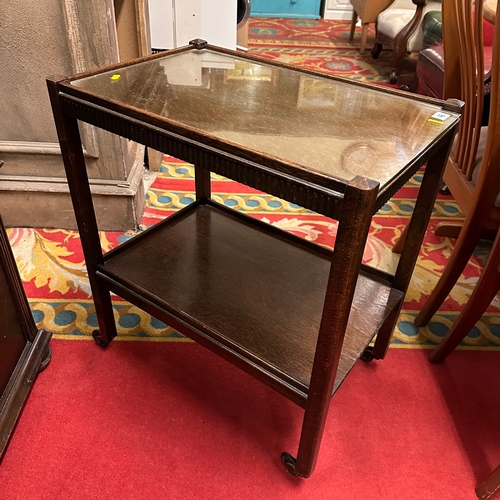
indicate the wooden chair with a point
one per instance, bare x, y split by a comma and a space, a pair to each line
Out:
473, 170
400, 27
367, 11
484, 292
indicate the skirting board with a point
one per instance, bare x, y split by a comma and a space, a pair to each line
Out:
46, 202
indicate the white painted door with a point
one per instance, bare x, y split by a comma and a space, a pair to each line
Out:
175, 22
338, 9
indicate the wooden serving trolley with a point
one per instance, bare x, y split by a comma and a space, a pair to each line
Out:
293, 314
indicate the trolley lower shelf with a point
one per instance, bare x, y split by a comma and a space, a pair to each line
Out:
241, 286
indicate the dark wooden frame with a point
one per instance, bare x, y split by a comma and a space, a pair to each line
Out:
347, 318
399, 44
34, 357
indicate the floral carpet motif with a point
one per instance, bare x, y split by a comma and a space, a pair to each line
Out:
52, 267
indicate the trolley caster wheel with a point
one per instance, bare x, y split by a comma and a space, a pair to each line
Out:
394, 77
367, 355
98, 339
406, 88
46, 360
444, 189
289, 462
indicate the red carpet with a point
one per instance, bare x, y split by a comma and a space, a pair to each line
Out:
170, 420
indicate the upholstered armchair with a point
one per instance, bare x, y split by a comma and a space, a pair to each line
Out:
367, 11
430, 78
400, 27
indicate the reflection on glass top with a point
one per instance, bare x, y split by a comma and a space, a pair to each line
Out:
333, 127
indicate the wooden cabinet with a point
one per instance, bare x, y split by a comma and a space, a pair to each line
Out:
287, 8
56, 37
24, 349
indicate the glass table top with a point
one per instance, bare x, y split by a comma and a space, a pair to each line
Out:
330, 126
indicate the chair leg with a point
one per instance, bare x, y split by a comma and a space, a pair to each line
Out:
484, 292
414, 87
376, 50
364, 34
353, 24
398, 246
448, 230
443, 229
451, 230
399, 57
469, 237
444, 189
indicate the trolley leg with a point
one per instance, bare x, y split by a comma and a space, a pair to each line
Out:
76, 173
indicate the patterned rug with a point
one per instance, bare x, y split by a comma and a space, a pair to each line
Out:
51, 262
324, 45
